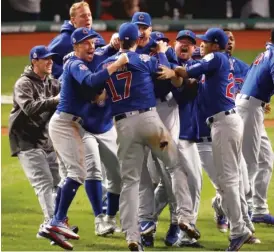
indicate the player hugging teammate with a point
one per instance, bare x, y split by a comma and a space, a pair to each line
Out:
147, 117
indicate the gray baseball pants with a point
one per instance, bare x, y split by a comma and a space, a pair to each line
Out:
42, 171
135, 133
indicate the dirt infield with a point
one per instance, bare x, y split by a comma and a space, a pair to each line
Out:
20, 44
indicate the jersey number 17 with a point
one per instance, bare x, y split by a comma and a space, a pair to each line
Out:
127, 76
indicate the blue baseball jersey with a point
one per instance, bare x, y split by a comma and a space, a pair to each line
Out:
131, 88
62, 45
77, 86
259, 82
98, 118
240, 71
185, 98
218, 88
161, 87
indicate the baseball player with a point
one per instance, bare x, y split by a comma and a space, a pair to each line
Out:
65, 127
80, 16
138, 125
168, 112
188, 152
226, 125
240, 71
35, 98
100, 144
204, 143
255, 94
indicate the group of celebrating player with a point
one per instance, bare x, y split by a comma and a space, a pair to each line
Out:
146, 117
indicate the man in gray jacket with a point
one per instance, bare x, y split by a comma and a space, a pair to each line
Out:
35, 98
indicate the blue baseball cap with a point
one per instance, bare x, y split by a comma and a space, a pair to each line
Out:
142, 18
99, 42
40, 52
187, 34
81, 34
159, 36
128, 31
215, 35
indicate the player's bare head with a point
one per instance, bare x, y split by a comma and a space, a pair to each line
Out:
80, 15
213, 40
41, 60
185, 44
83, 40
128, 36
143, 20
272, 36
231, 41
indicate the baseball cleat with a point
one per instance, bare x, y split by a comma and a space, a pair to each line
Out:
112, 222
263, 218
190, 230
172, 236
147, 227
75, 229
222, 223
147, 240
56, 239
62, 228
102, 228
254, 240
237, 243
135, 246
186, 241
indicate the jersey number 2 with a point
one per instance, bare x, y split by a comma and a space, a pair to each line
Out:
115, 96
229, 87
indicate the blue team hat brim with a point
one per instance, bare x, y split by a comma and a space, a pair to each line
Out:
86, 37
164, 39
141, 23
203, 37
187, 36
48, 55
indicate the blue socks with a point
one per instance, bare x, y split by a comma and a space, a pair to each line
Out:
57, 199
68, 192
95, 194
113, 203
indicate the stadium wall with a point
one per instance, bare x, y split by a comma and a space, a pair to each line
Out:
19, 44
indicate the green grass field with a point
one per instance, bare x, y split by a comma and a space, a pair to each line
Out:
21, 214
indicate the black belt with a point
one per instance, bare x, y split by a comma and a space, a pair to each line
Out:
247, 97
204, 139
125, 115
229, 112
73, 118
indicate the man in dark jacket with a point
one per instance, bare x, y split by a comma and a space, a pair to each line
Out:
80, 16
35, 98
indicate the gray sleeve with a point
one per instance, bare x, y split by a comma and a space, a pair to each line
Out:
24, 97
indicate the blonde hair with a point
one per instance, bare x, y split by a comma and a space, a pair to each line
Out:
76, 6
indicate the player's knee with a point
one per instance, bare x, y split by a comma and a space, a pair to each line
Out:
80, 176
91, 175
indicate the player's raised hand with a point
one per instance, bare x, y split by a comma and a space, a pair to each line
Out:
122, 59
181, 72
165, 73
161, 46
114, 41
100, 98
267, 108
